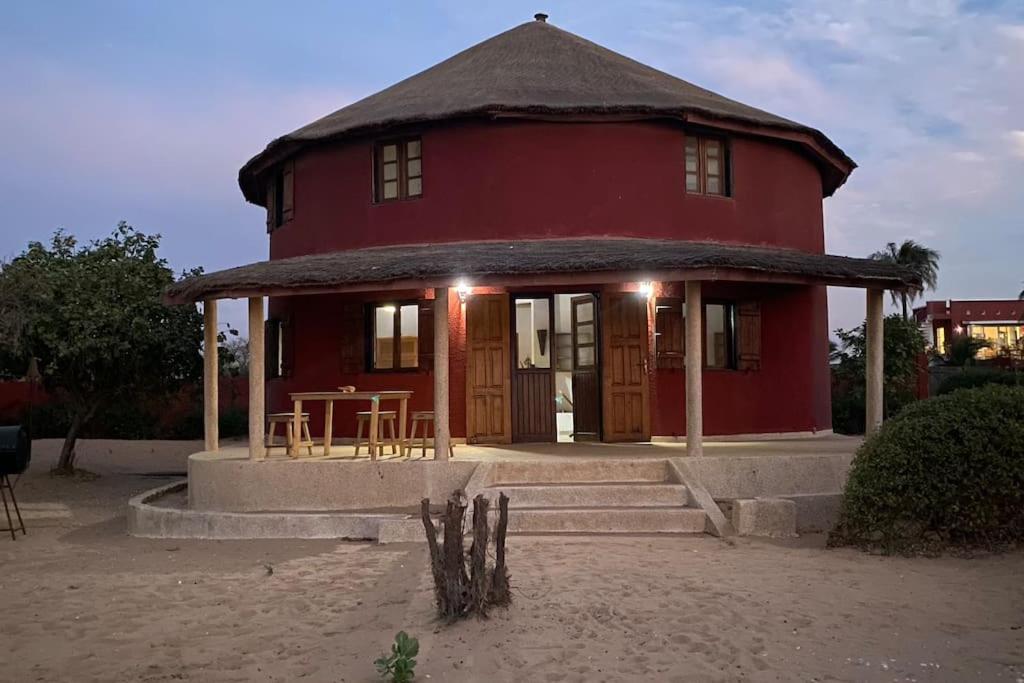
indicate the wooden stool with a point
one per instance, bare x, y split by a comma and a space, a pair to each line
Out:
426, 418
387, 417
288, 419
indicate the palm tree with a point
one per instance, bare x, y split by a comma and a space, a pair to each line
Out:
920, 259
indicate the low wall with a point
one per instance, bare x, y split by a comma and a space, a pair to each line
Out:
237, 484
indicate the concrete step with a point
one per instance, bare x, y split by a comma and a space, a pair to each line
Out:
611, 494
579, 472
607, 520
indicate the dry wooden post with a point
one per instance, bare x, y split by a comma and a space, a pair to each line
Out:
499, 593
436, 561
211, 370
478, 583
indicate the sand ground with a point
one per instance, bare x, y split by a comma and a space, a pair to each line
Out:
82, 601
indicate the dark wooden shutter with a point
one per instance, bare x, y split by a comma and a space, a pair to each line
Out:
271, 347
271, 204
670, 340
288, 192
748, 337
353, 338
426, 335
287, 332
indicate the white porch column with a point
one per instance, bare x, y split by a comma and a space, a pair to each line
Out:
256, 378
211, 369
873, 367
694, 368
442, 430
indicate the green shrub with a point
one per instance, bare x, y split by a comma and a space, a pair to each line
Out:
945, 472
971, 379
400, 664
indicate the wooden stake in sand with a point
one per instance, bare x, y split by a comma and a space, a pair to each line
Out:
459, 592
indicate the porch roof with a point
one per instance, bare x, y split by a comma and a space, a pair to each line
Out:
539, 262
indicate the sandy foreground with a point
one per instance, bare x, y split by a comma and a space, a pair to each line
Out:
82, 601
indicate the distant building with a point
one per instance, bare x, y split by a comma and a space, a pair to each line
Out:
998, 321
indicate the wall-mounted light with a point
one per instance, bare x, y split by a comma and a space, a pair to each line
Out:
646, 289
464, 290
959, 329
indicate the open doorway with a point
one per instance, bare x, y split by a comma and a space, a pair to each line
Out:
577, 379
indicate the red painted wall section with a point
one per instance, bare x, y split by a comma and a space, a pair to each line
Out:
515, 179
791, 391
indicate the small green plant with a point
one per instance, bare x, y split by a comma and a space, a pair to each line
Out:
400, 663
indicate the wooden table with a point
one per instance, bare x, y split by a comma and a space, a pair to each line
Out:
329, 397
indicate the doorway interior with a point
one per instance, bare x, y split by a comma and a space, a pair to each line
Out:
556, 368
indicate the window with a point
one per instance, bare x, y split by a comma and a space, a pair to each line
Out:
277, 347
398, 170
396, 336
707, 169
281, 197
732, 335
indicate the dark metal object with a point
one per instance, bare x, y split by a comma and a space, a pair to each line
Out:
15, 454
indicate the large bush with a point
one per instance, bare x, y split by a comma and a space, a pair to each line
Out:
971, 379
945, 472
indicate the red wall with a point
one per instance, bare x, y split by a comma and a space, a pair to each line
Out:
789, 393
503, 180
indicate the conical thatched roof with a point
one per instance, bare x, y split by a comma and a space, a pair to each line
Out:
533, 69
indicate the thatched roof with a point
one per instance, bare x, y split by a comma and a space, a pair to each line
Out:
518, 262
534, 69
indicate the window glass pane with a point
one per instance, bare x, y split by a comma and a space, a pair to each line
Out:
410, 322
389, 152
415, 187
390, 171
585, 356
585, 334
713, 166
714, 185
384, 337
691, 146
412, 148
691, 183
391, 189
414, 168
711, 148
716, 345
533, 333
585, 312
691, 164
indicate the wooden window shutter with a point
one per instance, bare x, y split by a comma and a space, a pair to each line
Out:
271, 341
287, 332
271, 204
748, 339
288, 193
426, 335
668, 326
353, 338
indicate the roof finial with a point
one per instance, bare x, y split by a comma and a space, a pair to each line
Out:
541, 17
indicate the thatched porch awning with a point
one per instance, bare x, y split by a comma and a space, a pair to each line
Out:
550, 262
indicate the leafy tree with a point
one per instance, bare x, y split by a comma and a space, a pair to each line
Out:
917, 257
902, 346
93, 318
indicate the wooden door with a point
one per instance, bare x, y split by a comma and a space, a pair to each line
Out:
624, 367
586, 389
533, 371
488, 419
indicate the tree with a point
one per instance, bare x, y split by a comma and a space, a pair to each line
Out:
93, 318
963, 349
902, 347
917, 257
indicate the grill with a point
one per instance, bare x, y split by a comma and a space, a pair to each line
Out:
15, 454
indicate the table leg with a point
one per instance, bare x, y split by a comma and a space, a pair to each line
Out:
374, 417
296, 430
403, 410
328, 426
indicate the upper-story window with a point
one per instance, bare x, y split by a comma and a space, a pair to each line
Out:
398, 170
707, 166
281, 197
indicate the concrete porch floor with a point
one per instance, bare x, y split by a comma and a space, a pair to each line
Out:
341, 451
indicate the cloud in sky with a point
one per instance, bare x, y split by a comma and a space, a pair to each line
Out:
131, 112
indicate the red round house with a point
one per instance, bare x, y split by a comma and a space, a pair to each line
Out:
536, 226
